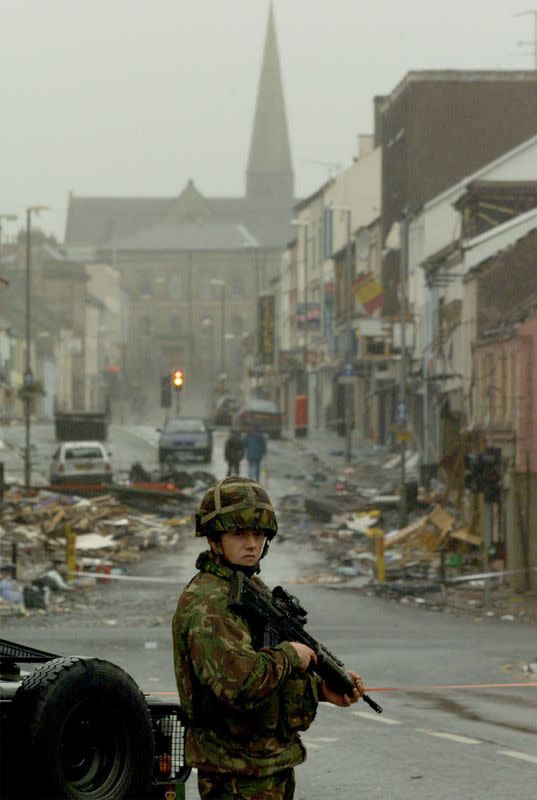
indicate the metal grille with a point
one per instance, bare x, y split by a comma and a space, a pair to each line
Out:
11, 651
169, 737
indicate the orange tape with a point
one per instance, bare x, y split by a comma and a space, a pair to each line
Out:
416, 688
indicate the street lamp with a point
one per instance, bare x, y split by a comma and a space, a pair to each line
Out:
222, 284
28, 376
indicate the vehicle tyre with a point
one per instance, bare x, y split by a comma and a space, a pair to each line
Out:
84, 727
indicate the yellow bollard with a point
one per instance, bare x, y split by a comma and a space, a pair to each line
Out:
70, 551
378, 533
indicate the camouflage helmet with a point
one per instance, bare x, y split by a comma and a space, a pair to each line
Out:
233, 504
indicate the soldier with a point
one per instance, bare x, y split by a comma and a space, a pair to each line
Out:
245, 705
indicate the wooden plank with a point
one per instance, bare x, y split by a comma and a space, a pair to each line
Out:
464, 535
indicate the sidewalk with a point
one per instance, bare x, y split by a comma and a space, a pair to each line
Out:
368, 460
331, 447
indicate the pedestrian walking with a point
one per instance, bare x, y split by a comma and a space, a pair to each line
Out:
245, 703
233, 452
256, 447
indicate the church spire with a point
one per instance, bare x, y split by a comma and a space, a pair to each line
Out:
269, 175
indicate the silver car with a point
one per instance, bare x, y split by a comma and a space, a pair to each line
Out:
185, 437
81, 462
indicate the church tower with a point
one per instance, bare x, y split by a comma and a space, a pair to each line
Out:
269, 174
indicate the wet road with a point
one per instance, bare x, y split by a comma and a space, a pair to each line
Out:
476, 740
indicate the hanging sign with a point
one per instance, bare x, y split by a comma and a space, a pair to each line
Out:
368, 291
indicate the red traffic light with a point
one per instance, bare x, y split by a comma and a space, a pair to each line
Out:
177, 378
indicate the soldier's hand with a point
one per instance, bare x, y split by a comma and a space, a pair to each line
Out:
344, 699
306, 654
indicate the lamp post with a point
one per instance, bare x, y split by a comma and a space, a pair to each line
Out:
348, 332
28, 376
403, 416
222, 284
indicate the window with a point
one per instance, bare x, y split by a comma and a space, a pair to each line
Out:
176, 285
175, 323
145, 283
237, 283
185, 425
82, 453
236, 325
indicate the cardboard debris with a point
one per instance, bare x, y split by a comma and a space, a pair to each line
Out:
94, 541
440, 518
36, 527
427, 533
464, 535
362, 521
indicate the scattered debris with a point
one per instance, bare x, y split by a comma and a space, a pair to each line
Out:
109, 532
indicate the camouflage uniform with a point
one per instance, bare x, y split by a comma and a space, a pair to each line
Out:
245, 705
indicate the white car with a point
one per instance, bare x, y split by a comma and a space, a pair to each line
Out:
81, 462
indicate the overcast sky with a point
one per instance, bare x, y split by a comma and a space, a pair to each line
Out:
134, 97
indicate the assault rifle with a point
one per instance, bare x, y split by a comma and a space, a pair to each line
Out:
283, 620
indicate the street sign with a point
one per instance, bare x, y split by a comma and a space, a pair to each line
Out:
403, 436
348, 379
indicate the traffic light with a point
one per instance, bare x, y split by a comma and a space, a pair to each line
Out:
473, 478
177, 379
483, 473
492, 474
165, 392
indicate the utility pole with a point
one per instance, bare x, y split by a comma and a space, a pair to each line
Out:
28, 375
402, 415
27, 364
349, 387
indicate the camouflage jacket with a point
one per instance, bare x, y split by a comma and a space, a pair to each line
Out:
245, 706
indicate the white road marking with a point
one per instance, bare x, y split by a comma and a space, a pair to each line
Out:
321, 739
452, 736
376, 717
516, 754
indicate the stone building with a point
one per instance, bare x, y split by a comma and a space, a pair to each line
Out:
192, 266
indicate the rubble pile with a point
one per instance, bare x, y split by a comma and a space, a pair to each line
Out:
107, 532
357, 527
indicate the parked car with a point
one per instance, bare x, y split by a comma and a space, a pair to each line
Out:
226, 406
81, 462
185, 436
259, 412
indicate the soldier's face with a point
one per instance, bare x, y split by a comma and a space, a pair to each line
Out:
242, 548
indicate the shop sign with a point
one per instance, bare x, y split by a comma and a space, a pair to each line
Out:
265, 329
